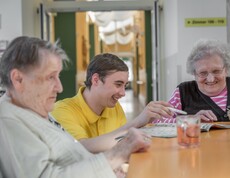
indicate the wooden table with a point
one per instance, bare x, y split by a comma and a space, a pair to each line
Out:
166, 159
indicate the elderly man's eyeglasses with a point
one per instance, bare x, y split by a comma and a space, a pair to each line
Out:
214, 73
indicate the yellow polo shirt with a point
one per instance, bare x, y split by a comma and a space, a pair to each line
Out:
81, 122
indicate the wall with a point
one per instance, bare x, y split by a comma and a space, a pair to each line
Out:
178, 39
19, 17
31, 18
11, 19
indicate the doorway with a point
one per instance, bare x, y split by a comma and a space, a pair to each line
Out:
143, 69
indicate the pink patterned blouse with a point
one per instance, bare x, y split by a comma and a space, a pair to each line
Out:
175, 100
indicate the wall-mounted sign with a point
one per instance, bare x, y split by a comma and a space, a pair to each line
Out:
205, 22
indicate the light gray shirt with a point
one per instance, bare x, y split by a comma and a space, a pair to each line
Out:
31, 146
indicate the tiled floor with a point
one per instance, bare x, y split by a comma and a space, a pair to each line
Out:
131, 105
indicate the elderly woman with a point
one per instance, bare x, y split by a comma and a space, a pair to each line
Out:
32, 143
208, 95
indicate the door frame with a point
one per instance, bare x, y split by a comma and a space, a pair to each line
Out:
101, 5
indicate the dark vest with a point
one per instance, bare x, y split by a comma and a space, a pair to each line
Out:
193, 100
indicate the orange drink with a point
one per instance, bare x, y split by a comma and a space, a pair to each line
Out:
188, 130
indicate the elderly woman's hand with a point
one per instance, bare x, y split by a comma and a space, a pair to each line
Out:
207, 116
134, 141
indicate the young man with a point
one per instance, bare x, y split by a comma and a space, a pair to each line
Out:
94, 116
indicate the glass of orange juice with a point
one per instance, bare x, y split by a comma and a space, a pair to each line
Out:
188, 130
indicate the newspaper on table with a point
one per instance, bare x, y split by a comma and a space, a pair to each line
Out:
205, 127
169, 130
166, 130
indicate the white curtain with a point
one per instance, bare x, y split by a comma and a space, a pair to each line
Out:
114, 26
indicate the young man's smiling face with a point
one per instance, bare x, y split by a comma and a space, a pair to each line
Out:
112, 88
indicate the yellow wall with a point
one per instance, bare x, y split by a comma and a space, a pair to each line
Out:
82, 47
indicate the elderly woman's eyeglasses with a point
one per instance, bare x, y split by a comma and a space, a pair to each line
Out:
214, 73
